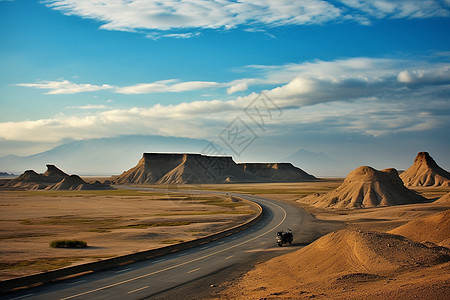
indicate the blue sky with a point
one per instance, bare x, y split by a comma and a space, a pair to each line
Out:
366, 82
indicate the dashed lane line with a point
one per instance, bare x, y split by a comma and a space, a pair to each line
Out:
137, 290
192, 271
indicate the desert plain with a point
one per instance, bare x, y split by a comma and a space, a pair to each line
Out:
111, 222
373, 235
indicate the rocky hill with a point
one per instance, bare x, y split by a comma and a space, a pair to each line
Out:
53, 179
425, 172
366, 187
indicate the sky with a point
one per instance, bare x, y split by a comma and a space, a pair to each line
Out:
363, 82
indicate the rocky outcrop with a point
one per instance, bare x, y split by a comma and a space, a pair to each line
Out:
170, 168
74, 182
52, 175
53, 179
283, 172
425, 172
366, 187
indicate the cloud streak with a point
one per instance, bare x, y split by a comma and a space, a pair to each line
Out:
369, 96
157, 16
66, 87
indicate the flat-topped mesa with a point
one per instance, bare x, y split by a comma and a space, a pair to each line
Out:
366, 187
178, 168
283, 172
425, 172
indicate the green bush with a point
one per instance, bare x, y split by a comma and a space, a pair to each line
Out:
68, 244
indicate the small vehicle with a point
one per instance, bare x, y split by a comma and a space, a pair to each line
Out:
284, 237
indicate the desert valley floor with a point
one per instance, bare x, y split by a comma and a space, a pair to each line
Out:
31, 219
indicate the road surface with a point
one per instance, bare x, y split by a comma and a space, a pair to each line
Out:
144, 279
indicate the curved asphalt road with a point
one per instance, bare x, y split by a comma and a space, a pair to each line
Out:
144, 279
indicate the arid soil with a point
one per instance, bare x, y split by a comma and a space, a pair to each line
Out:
112, 223
363, 261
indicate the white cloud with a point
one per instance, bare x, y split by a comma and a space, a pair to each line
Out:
138, 15
438, 75
163, 15
364, 95
156, 35
400, 8
66, 87
163, 86
239, 87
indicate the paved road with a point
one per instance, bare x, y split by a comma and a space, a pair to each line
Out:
144, 279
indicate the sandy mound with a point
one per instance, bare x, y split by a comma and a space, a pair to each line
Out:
335, 261
283, 172
425, 172
444, 199
434, 229
366, 187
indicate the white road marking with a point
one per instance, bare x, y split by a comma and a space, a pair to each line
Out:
184, 263
220, 243
159, 260
203, 248
192, 271
137, 290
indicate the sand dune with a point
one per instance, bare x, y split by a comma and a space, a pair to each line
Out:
425, 172
434, 229
366, 187
285, 172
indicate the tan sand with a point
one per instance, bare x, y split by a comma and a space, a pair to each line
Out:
361, 263
434, 229
350, 264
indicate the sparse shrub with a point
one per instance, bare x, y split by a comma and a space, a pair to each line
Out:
68, 244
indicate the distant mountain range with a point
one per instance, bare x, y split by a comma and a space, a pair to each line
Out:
104, 156
313, 162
